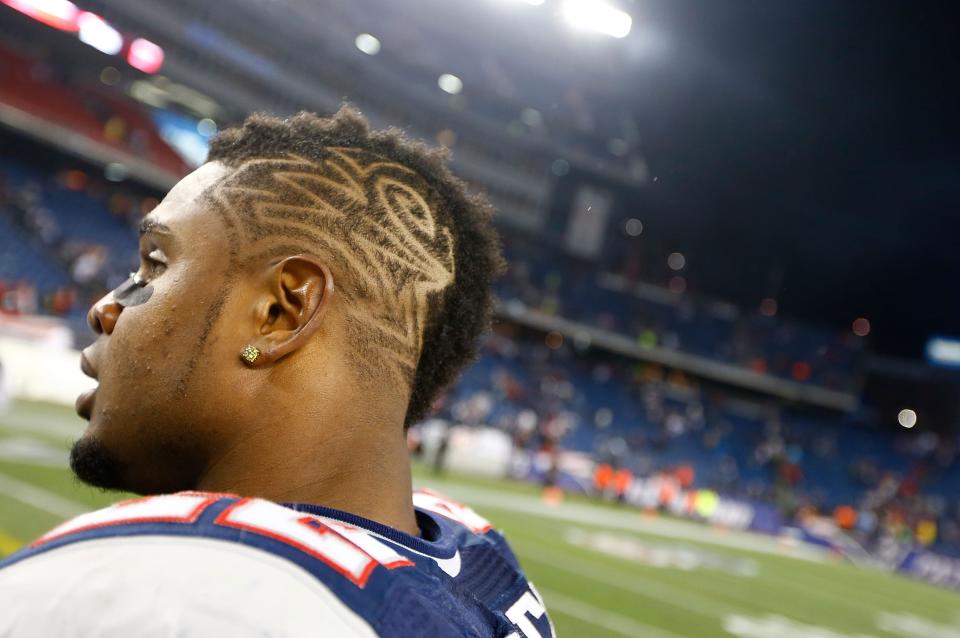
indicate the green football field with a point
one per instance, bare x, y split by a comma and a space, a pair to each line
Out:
603, 570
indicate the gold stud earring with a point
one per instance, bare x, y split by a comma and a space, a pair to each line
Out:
249, 354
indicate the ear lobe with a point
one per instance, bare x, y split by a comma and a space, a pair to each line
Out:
301, 291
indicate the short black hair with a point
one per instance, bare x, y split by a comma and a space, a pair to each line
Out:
314, 152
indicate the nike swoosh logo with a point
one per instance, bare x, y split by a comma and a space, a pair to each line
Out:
450, 566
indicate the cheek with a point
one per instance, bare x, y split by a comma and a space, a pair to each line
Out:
173, 375
145, 344
170, 342
138, 406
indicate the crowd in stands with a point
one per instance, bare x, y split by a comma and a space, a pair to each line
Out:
545, 280
60, 212
65, 239
641, 420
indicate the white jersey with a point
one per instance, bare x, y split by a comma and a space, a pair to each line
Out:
197, 564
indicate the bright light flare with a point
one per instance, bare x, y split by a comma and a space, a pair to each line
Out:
595, 15
95, 31
367, 43
59, 14
861, 326
907, 418
145, 55
206, 127
944, 351
450, 83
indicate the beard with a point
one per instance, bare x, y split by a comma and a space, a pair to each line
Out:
95, 465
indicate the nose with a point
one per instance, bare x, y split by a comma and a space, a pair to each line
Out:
103, 315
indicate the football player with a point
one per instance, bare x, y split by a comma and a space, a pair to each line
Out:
301, 299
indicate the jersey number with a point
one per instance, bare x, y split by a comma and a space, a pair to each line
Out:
529, 604
347, 549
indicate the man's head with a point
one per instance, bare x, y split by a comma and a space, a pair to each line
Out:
352, 260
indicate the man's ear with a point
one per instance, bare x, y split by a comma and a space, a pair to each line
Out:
300, 289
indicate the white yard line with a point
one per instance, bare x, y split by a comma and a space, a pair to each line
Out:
39, 498
53, 427
33, 451
558, 604
635, 584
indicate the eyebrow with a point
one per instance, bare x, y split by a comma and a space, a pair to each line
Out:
149, 225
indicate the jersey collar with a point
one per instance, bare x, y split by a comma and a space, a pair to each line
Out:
437, 535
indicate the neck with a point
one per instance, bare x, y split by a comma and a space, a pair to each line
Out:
358, 467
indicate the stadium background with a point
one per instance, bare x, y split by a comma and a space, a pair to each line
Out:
720, 397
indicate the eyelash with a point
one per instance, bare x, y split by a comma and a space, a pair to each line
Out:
154, 265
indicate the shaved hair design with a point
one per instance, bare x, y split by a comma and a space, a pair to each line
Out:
371, 219
412, 253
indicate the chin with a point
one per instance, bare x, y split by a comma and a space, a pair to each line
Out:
94, 464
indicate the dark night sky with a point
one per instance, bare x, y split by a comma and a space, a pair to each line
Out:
818, 139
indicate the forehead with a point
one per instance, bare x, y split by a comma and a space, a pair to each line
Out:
184, 203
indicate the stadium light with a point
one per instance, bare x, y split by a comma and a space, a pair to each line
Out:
367, 43
907, 418
206, 127
676, 261
95, 31
115, 172
595, 15
944, 351
531, 117
145, 55
861, 326
450, 83
59, 14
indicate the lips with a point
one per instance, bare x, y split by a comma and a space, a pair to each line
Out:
86, 367
84, 404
